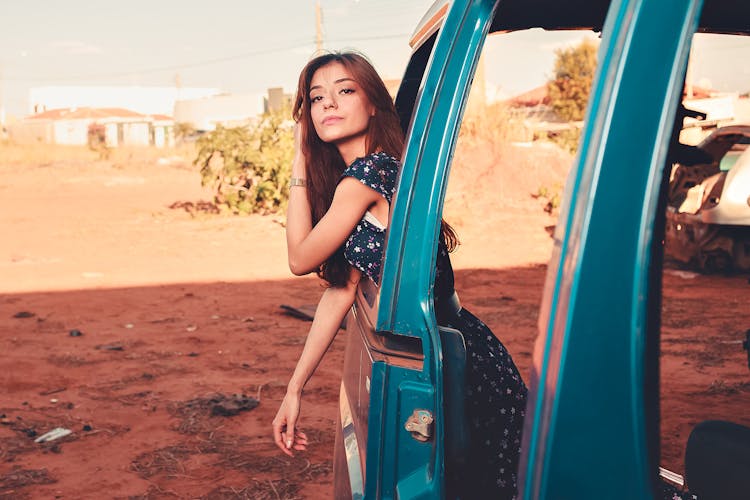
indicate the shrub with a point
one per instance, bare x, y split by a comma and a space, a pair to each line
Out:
97, 140
183, 131
249, 167
551, 196
567, 139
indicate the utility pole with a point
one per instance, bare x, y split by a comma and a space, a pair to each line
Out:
318, 27
178, 85
2, 101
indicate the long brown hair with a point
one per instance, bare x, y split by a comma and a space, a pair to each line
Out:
324, 165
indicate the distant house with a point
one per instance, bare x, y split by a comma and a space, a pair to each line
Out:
71, 127
534, 116
162, 131
535, 97
277, 100
229, 110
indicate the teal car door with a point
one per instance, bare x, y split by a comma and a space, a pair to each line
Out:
592, 422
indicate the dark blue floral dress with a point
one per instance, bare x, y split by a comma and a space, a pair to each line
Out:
364, 247
496, 394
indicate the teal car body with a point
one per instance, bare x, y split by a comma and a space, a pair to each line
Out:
399, 433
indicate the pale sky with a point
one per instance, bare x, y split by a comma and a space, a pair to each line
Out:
246, 46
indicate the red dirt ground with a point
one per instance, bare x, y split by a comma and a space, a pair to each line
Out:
174, 309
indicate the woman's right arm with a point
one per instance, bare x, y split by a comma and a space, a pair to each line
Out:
332, 308
307, 246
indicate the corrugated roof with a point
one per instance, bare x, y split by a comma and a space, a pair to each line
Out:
533, 97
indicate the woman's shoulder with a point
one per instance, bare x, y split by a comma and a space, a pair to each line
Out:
376, 170
380, 160
378, 164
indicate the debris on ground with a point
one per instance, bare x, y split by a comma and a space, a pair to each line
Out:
228, 406
19, 478
195, 414
686, 275
56, 433
110, 347
305, 312
24, 314
53, 391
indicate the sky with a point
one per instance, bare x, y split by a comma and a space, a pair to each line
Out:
247, 46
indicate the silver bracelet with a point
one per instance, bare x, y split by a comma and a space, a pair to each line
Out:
297, 181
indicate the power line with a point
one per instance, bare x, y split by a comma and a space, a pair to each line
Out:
207, 62
203, 63
368, 38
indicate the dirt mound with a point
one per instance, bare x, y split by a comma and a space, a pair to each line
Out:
504, 178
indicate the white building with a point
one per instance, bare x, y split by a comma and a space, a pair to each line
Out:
144, 100
228, 110
71, 127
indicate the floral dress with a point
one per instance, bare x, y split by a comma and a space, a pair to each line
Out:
495, 392
364, 247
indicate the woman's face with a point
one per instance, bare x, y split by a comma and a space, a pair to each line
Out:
339, 108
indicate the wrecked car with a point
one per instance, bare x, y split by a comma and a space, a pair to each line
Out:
708, 213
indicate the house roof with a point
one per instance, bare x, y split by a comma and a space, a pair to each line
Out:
533, 97
85, 113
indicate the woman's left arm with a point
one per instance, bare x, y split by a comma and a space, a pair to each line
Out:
331, 310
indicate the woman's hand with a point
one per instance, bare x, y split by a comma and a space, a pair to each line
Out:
285, 434
298, 156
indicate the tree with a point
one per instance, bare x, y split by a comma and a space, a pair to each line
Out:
249, 167
97, 140
571, 84
183, 130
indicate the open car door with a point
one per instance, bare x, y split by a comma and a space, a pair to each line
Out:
592, 423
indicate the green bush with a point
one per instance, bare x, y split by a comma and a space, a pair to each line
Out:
567, 139
249, 167
183, 131
551, 196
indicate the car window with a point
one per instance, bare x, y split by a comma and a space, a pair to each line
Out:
507, 177
704, 314
730, 157
512, 158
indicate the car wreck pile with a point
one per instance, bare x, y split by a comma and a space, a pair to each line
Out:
708, 211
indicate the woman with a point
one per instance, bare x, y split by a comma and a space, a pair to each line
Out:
343, 177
